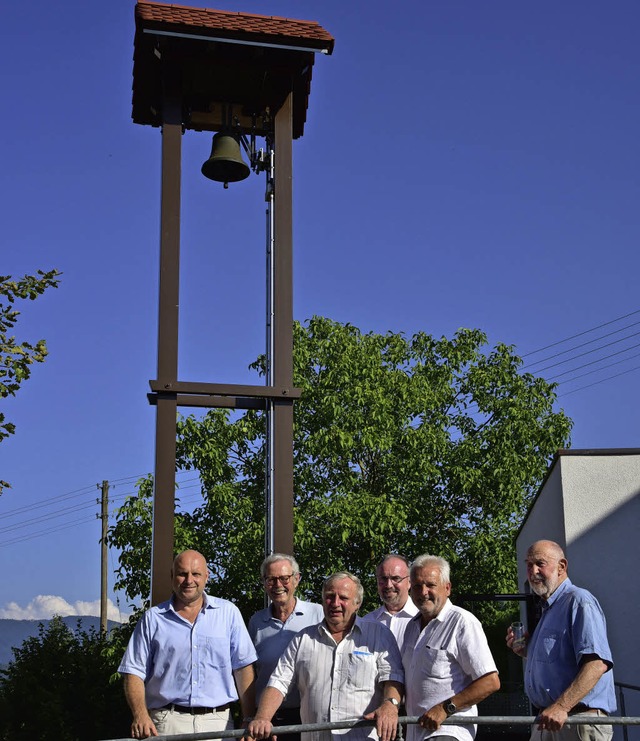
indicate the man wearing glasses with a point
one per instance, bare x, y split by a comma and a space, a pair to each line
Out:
271, 629
397, 608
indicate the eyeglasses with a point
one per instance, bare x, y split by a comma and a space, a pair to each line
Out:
271, 581
394, 579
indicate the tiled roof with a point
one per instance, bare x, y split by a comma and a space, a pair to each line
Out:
237, 25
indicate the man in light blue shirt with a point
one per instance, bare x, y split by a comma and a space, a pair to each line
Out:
568, 660
188, 659
272, 628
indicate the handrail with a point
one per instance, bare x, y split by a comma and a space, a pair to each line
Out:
621, 686
498, 720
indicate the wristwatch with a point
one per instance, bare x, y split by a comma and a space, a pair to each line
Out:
392, 700
449, 707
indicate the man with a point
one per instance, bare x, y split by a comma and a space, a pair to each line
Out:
568, 660
345, 668
392, 575
447, 662
183, 657
271, 629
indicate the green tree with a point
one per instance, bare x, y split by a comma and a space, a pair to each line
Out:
60, 687
407, 445
16, 358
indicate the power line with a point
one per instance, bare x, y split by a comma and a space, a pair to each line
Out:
622, 373
584, 344
580, 334
65, 526
590, 352
595, 362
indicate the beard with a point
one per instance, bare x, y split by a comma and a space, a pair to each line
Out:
543, 587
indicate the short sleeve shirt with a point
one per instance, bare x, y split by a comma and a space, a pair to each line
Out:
572, 626
271, 636
340, 681
185, 663
440, 660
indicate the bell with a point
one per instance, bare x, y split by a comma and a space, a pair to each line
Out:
225, 165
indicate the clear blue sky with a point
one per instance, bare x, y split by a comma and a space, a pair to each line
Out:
464, 164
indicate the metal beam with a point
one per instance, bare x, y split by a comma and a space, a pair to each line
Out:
282, 409
165, 463
225, 389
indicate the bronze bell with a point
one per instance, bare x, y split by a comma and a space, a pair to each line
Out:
225, 165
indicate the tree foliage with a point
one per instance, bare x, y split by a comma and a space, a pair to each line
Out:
407, 445
16, 358
59, 687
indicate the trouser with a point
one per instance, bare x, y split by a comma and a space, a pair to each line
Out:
168, 722
287, 717
577, 732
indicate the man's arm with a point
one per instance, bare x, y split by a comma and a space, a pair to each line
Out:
386, 716
270, 701
472, 694
245, 679
142, 726
592, 667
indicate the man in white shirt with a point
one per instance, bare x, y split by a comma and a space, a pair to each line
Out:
447, 662
345, 668
397, 608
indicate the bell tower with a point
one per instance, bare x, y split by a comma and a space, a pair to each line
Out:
241, 76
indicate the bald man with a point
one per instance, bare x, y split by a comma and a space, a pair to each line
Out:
568, 659
188, 659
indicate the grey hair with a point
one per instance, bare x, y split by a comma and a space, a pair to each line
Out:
278, 557
344, 575
440, 563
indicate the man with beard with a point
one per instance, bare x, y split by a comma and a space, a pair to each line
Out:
272, 628
397, 607
568, 660
188, 659
448, 666
345, 668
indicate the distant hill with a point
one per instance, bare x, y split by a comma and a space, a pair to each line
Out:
13, 633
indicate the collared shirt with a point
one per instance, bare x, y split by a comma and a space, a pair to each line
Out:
440, 660
339, 681
396, 621
189, 664
271, 636
572, 625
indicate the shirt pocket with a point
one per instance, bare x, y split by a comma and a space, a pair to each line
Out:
216, 650
362, 670
434, 662
550, 643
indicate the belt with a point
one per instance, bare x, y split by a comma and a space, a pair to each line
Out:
581, 708
195, 710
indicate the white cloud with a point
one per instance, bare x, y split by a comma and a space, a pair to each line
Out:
45, 606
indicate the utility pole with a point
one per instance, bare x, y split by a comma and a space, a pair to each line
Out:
103, 555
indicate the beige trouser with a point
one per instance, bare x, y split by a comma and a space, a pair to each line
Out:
170, 722
577, 732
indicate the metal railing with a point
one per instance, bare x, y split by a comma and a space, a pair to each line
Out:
494, 720
621, 687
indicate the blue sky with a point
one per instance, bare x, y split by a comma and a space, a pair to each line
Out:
464, 164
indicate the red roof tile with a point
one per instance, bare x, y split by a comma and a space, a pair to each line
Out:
245, 61
285, 31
